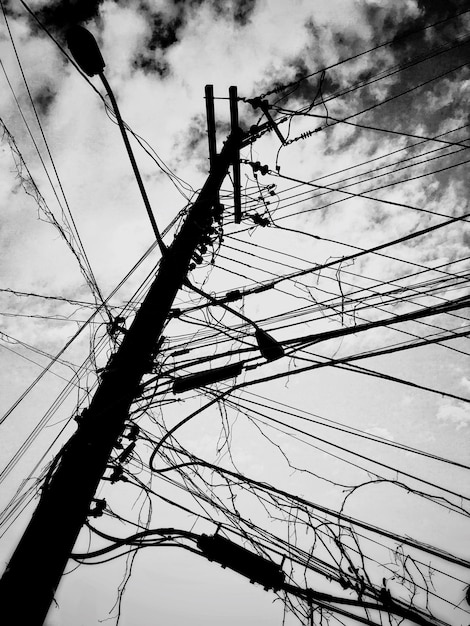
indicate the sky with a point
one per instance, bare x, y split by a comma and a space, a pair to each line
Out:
362, 216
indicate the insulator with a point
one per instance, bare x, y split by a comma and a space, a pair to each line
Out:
258, 219
257, 167
255, 102
133, 432
232, 295
98, 509
268, 346
82, 416
308, 133
125, 454
117, 325
116, 475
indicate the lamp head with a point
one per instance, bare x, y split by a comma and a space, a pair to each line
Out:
85, 50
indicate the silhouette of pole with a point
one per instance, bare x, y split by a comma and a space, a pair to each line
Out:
33, 574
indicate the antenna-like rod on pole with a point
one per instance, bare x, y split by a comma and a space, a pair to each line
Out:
233, 95
210, 113
211, 136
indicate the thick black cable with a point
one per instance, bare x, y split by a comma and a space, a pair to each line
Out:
342, 517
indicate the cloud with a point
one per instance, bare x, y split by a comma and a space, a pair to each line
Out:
159, 55
455, 414
465, 383
440, 9
381, 22
165, 21
243, 10
61, 15
379, 431
44, 98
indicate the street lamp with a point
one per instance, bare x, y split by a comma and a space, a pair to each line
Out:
88, 57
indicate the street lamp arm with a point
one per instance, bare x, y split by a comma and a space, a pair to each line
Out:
138, 177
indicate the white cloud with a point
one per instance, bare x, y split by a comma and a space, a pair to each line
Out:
454, 414
280, 41
379, 431
465, 383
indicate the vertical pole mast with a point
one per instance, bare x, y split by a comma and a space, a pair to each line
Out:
211, 130
235, 130
210, 114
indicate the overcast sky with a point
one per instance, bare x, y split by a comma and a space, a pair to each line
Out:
370, 96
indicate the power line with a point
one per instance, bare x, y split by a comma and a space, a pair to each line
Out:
393, 41
91, 279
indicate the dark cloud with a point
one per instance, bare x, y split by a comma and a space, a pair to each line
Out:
43, 98
165, 29
243, 10
296, 69
433, 58
237, 10
59, 16
164, 32
466, 238
195, 138
433, 10
386, 26
150, 63
307, 91
411, 33
426, 82
192, 143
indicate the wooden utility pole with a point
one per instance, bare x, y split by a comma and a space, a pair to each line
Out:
31, 578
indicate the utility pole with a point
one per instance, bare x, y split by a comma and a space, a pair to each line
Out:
33, 574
